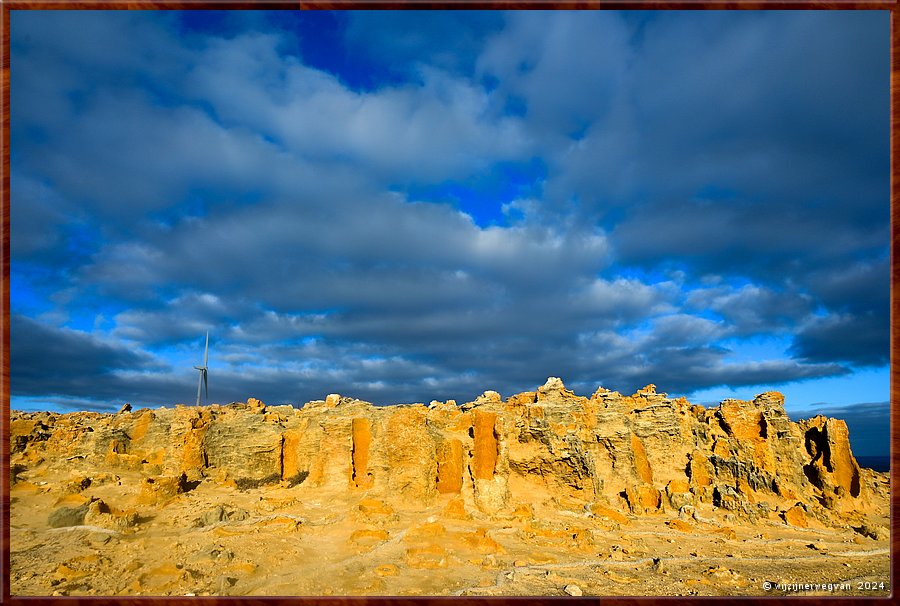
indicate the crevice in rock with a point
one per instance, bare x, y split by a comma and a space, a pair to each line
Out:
724, 424
812, 474
281, 458
817, 446
854, 484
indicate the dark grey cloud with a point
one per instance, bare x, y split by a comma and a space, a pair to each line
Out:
744, 91
856, 330
181, 318
125, 156
679, 354
862, 286
372, 252
861, 339
752, 309
725, 148
563, 69
40, 215
743, 236
45, 360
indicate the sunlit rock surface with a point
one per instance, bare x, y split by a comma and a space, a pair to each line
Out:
527, 495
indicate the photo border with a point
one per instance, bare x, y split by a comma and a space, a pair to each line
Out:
10, 5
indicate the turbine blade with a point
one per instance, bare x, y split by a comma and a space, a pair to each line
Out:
206, 383
206, 351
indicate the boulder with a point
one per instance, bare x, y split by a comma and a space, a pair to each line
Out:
67, 516
796, 516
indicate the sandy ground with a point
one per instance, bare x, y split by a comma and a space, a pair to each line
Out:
277, 540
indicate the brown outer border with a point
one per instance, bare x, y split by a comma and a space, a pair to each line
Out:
7, 5
4, 306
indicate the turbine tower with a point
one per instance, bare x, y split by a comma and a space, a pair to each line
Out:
203, 372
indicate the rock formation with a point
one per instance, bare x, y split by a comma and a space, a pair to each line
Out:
644, 454
542, 493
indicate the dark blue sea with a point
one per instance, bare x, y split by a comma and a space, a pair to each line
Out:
881, 463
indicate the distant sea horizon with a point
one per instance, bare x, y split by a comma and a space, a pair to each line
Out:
876, 462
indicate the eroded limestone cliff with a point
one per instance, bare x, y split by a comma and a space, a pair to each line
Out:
642, 454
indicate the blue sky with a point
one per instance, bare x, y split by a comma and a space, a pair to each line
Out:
407, 206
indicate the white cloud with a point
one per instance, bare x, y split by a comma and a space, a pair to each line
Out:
436, 129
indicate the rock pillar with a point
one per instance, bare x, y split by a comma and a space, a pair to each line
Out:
449, 466
485, 458
362, 439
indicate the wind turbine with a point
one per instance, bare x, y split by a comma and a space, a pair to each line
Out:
203, 371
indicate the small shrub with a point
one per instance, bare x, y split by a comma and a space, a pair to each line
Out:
250, 483
15, 470
297, 479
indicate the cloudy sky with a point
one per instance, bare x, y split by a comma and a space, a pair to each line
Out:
412, 206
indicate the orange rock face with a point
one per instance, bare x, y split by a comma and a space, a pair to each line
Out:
194, 457
832, 467
407, 452
290, 461
677, 486
160, 489
375, 507
455, 509
482, 543
605, 512
643, 499
366, 534
699, 469
641, 464
739, 422
680, 525
522, 399
450, 466
362, 438
795, 516
844, 467
485, 458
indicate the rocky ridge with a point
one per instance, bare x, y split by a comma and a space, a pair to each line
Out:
645, 453
534, 494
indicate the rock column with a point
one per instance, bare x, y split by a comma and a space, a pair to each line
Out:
362, 438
